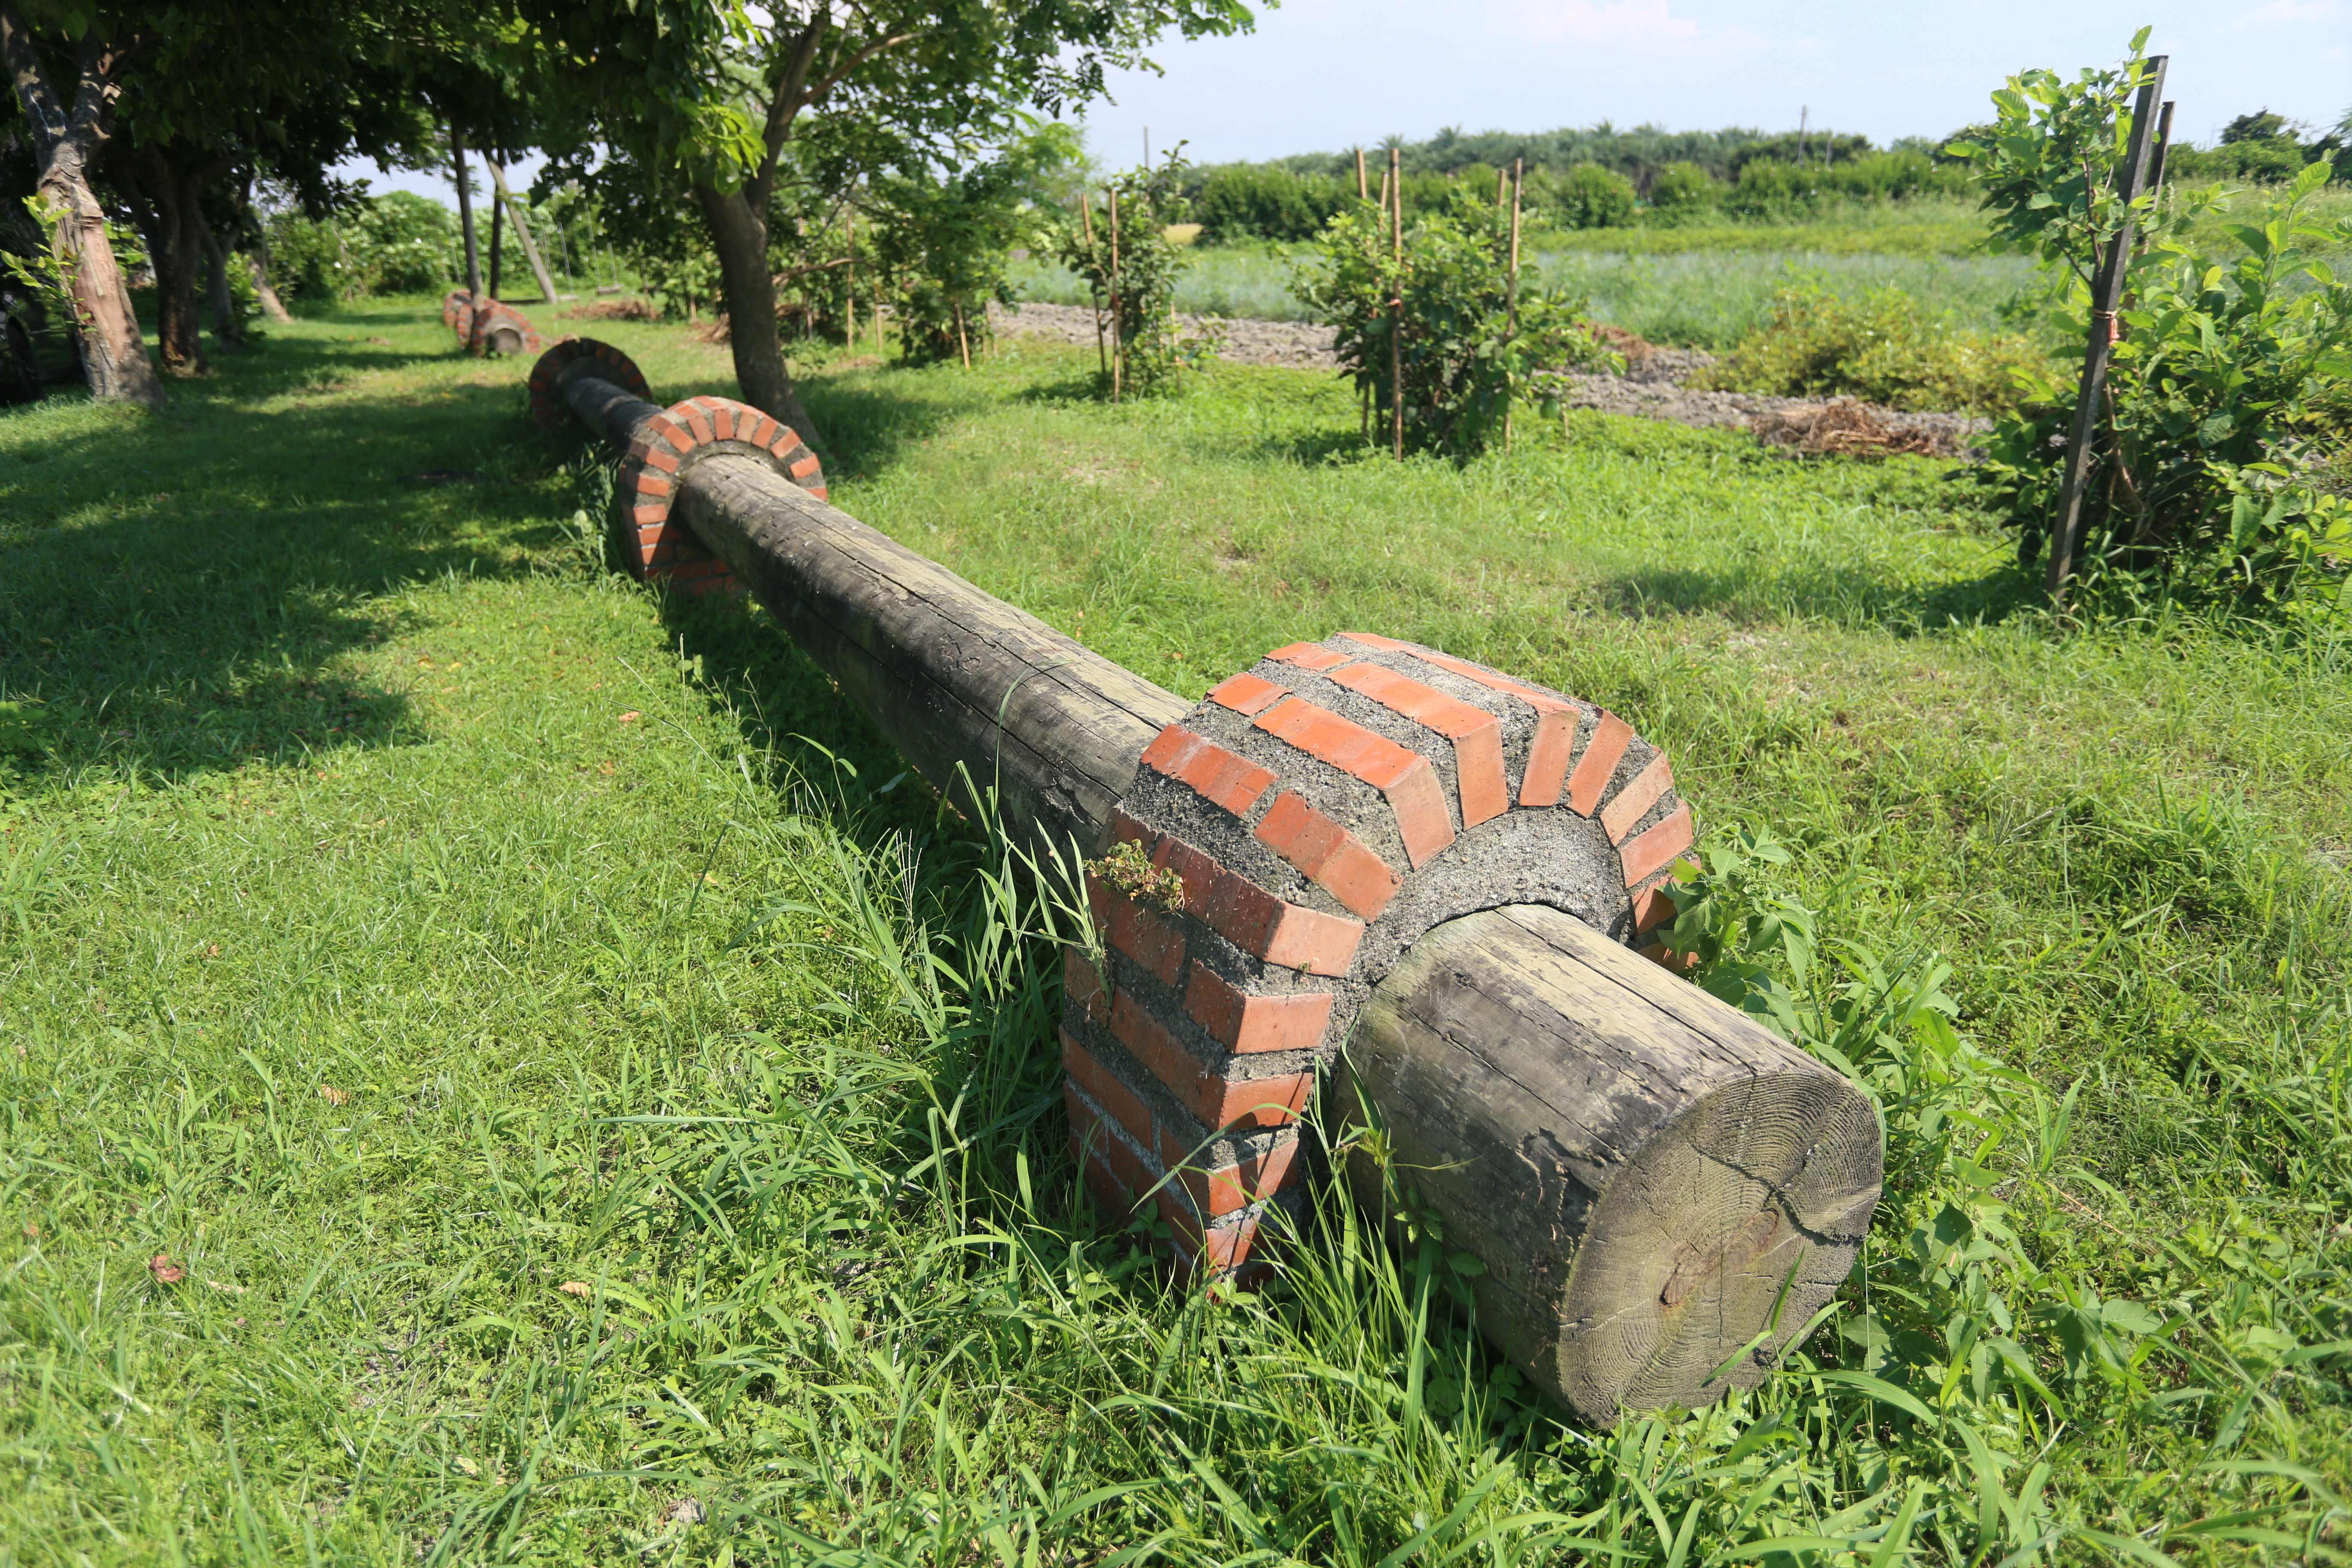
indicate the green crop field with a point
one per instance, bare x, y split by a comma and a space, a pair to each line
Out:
498, 1065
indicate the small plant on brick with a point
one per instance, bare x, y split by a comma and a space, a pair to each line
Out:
1469, 346
1126, 870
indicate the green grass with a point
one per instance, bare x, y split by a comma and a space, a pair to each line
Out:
634, 965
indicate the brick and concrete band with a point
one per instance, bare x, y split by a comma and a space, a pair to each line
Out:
1322, 811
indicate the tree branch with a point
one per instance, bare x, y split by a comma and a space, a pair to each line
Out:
42, 109
784, 102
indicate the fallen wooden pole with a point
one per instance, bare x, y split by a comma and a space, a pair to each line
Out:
1362, 840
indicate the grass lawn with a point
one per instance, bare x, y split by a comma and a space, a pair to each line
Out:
586, 1104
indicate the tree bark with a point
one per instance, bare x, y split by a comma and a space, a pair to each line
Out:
227, 326
466, 211
113, 357
165, 185
257, 261
1662, 1191
522, 230
739, 231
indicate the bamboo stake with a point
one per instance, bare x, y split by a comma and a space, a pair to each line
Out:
963, 345
1118, 340
1363, 191
1511, 289
1396, 325
2106, 291
1094, 288
849, 275
1502, 182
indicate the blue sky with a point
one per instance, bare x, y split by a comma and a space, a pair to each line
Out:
1320, 75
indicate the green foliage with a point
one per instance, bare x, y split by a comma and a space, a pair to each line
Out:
1884, 346
2231, 340
42, 272
1586, 197
945, 239
1132, 276
1240, 201
1680, 191
1474, 337
2224, 390
397, 243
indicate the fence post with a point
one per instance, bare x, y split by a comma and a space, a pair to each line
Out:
1396, 323
2106, 289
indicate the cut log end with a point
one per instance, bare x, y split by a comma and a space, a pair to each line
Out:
1665, 1192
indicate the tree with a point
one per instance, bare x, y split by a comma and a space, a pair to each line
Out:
715, 92
66, 143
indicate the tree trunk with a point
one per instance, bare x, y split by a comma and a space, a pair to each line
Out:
738, 232
164, 194
522, 231
113, 358
497, 214
226, 325
257, 261
466, 211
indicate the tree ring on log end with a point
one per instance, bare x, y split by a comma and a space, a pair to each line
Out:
579, 357
666, 448
1303, 826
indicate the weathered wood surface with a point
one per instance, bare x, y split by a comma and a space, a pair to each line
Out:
1663, 1191
956, 677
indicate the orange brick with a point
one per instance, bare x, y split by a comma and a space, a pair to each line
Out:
1477, 734
1105, 1090
1548, 753
1105, 1187
1282, 934
1255, 1102
1224, 1190
1334, 859
1217, 776
696, 421
1386, 645
650, 483
1149, 1039
1657, 847
1404, 776
1227, 1248
1245, 1024
1195, 870
1308, 655
1248, 694
722, 421
1143, 936
662, 458
1653, 908
1084, 985
1594, 768
1641, 792
804, 468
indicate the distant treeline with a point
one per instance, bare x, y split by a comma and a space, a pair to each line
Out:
1599, 176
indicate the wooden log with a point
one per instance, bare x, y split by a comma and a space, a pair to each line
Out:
1663, 1191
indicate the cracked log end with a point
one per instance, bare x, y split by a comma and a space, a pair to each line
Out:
1664, 1191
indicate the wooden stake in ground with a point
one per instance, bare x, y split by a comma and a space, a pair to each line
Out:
466, 210
849, 276
2163, 147
1094, 288
1511, 289
963, 345
2107, 290
1396, 304
498, 216
1117, 338
522, 233
1363, 191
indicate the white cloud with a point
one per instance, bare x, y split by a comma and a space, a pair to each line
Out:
2281, 12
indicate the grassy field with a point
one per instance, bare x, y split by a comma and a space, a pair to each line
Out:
499, 1066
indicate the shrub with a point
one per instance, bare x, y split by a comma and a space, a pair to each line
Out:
1882, 347
1681, 190
2204, 483
1589, 196
1140, 290
1243, 201
1468, 351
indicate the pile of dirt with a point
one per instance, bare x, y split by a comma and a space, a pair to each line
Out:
1298, 345
1844, 427
613, 310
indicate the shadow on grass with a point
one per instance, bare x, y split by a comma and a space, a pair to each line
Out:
176, 592
1847, 596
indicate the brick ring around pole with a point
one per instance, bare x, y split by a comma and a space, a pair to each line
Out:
493, 316
547, 409
1322, 811
457, 312
669, 444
